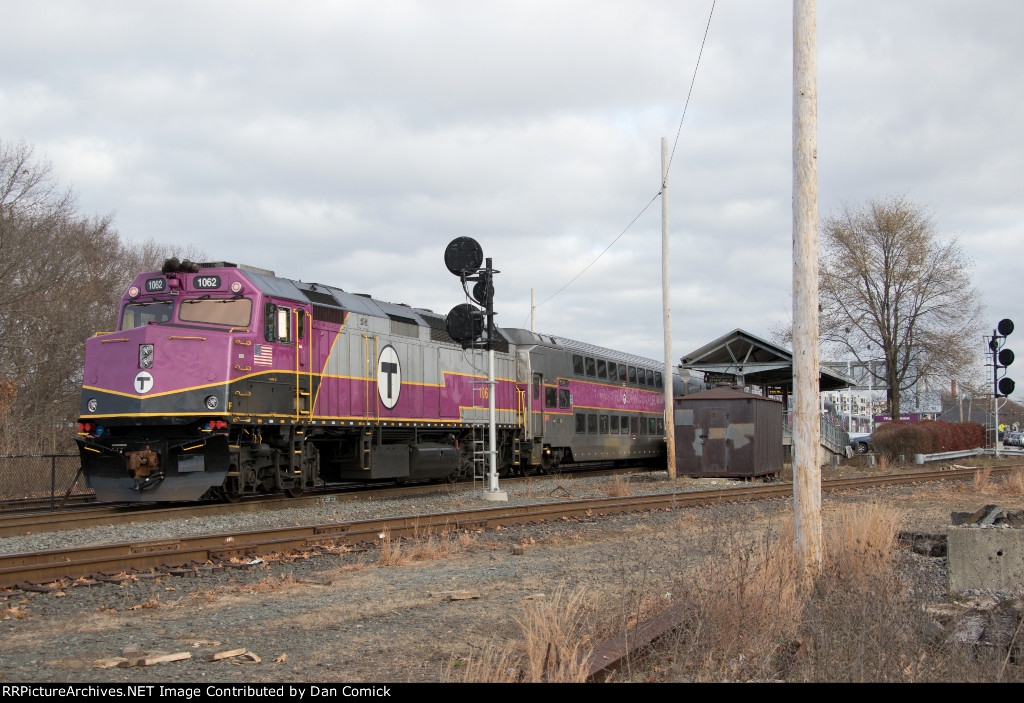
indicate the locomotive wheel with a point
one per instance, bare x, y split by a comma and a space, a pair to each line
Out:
228, 495
295, 491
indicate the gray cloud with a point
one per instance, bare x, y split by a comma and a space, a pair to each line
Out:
347, 143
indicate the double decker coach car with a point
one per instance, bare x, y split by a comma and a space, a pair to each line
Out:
224, 381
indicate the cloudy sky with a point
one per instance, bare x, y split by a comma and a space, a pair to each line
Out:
348, 142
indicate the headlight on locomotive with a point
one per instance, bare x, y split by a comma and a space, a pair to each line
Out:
145, 356
211, 402
92, 405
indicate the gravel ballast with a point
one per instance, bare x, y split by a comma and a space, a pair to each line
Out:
342, 616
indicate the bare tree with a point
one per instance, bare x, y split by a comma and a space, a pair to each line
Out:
892, 287
61, 277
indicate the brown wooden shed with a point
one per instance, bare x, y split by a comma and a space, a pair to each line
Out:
726, 432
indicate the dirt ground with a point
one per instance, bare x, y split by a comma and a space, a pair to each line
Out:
346, 616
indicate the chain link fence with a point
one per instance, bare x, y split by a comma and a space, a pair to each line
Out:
40, 481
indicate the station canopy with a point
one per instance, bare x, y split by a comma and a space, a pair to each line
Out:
745, 359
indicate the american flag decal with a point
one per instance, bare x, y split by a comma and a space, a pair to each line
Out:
264, 355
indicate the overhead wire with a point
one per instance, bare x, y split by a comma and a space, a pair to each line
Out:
668, 167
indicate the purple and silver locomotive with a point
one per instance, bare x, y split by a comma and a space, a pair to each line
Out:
223, 381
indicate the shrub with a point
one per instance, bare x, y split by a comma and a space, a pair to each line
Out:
908, 438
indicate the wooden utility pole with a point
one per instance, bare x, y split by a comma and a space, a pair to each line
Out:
670, 425
806, 372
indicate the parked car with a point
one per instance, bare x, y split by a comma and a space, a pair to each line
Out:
861, 442
1013, 439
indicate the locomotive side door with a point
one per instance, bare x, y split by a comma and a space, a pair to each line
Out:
301, 322
537, 408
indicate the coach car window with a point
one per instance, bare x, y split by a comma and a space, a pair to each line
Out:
235, 312
603, 424
622, 373
577, 364
657, 379
615, 424
592, 423
634, 425
581, 423
139, 314
643, 425
641, 377
564, 398
591, 367
632, 374
602, 368
551, 397
650, 377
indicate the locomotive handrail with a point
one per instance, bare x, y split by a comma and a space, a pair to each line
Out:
244, 342
108, 341
366, 373
239, 329
201, 339
299, 412
242, 368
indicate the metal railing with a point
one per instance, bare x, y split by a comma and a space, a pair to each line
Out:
833, 437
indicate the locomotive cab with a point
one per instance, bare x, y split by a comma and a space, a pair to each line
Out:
159, 412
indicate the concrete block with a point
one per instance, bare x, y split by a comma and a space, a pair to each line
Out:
985, 558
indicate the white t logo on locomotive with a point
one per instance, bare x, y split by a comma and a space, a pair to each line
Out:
389, 377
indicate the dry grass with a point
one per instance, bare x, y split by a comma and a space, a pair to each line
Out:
745, 620
554, 648
1013, 483
419, 548
496, 664
741, 609
616, 487
862, 540
982, 478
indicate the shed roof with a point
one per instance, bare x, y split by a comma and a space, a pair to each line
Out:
757, 361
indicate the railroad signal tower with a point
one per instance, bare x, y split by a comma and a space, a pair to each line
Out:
1002, 385
1001, 358
465, 324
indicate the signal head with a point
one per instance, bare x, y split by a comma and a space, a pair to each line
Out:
462, 255
465, 323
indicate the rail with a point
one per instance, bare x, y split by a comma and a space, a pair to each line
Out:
182, 552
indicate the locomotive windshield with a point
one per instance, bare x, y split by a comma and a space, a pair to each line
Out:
139, 314
236, 312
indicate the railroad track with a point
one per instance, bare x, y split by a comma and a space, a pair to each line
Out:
23, 523
28, 570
